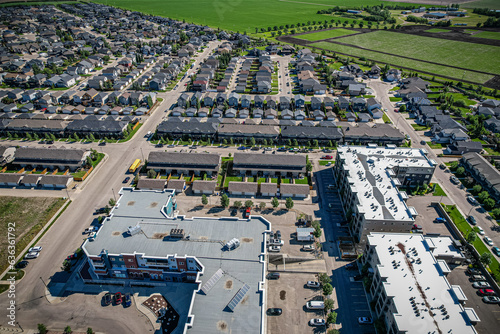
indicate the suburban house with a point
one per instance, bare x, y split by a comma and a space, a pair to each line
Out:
269, 165
50, 158
183, 163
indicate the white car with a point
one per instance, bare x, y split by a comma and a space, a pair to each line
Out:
275, 249
35, 249
317, 322
313, 284
488, 241
32, 255
276, 242
480, 230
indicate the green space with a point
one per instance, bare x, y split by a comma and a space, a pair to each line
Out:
437, 30
316, 36
491, 151
25, 216
447, 52
417, 127
438, 191
238, 15
435, 145
492, 4
302, 181
395, 99
18, 274
440, 70
488, 35
274, 180
464, 227
324, 162
261, 180
232, 179
283, 180
386, 119
131, 134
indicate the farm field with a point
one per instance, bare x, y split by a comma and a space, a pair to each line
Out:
238, 15
398, 61
316, 36
493, 4
488, 34
477, 57
437, 30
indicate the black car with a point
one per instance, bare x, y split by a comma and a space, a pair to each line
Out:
159, 145
273, 276
126, 179
351, 265
49, 142
103, 143
274, 311
358, 277
107, 298
21, 264
277, 235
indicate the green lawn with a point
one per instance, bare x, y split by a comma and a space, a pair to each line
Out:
302, 181
316, 36
492, 4
420, 127
491, 151
274, 180
436, 145
325, 162
232, 179
261, 180
395, 99
283, 180
386, 119
438, 191
437, 30
488, 35
131, 134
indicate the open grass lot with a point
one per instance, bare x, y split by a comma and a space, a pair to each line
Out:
237, 15
488, 35
447, 52
316, 36
29, 214
409, 63
492, 4
437, 30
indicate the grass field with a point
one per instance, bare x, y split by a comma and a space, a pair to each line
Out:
492, 4
437, 30
237, 15
316, 36
398, 61
29, 214
471, 56
488, 35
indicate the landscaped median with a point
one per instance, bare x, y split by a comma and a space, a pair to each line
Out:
465, 228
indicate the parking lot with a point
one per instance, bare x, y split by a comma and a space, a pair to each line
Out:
290, 294
488, 313
427, 214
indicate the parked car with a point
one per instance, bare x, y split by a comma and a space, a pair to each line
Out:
126, 179
32, 255
106, 299
170, 146
127, 300
417, 228
317, 322
273, 276
351, 265
247, 213
103, 143
276, 242
472, 200
474, 271
327, 157
442, 166
274, 311
478, 278
35, 249
22, 264
313, 284
488, 241
491, 300
480, 230
159, 145
496, 250
487, 292
481, 285
268, 149
472, 220
308, 248
118, 298
365, 320
277, 235
275, 249
440, 220
358, 277
454, 179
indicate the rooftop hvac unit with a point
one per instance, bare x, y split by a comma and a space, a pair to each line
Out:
133, 230
233, 244
177, 233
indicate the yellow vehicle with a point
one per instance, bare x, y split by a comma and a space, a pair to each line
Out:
134, 166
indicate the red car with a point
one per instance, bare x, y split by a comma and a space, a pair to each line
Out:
118, 298
327, 157
247, 213
487, 292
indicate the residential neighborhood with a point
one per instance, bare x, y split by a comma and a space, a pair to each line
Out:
167, 175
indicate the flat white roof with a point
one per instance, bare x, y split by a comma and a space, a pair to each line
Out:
420, 292
371, 176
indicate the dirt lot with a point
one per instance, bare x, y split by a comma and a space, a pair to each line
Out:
290, 294
27, 216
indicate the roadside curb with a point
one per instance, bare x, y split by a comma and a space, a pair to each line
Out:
95, 171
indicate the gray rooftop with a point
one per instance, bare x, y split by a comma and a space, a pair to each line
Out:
302, 189
47, 154
268, 159
175, 158
151, 184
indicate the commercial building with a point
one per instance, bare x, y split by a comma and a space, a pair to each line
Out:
369, 177
269, 165
184, 163
143, 240
408, 285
